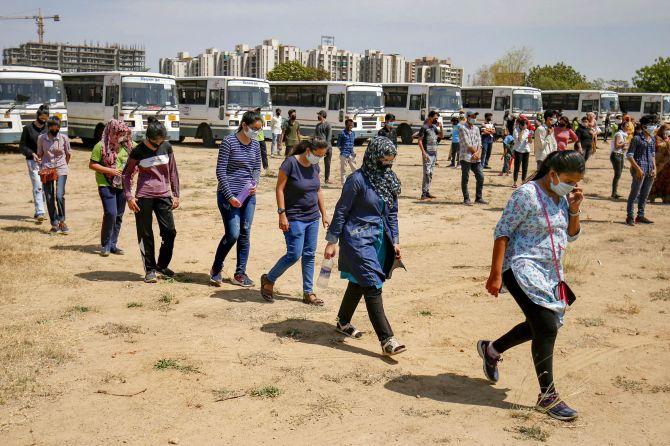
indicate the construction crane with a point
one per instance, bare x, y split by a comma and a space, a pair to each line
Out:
39, 21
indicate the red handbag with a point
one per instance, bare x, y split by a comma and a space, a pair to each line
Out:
48, 174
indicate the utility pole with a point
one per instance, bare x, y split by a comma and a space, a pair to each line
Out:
39, 21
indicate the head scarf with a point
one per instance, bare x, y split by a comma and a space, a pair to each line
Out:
384, 181
114, 130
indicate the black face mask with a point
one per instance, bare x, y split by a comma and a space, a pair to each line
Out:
53, 132
41, 122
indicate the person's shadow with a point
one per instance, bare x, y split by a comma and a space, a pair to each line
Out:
89, 249
318, 333
246, 295
110, 276
452, 388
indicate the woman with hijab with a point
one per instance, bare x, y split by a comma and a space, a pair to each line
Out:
365, 223
661, 186
108, 158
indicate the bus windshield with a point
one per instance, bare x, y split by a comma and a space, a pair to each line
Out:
246, 96
666, 105
360, 100
445, 98
31, 92
609, 104
144, 94
526, 101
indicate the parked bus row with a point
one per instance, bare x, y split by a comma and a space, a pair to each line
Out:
209, 108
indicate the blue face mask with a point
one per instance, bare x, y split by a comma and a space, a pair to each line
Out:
651, 129
313, 159
561, 189
391, 124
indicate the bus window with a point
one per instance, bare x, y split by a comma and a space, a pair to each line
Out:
651, 108
501, 103
415, 102
31, 91
630, 104
190, 92
666, 105
477, 98
214, 98
111, 95
335, 101
395, 97
247, 96
589, 105
609, 104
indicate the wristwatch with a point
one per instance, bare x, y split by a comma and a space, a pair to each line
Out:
281, 210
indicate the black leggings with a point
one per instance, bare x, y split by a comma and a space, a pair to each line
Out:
374, 304
540, 327
617, 165
264, 154
326, 163
521, 160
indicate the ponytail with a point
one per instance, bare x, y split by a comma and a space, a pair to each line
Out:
566, 161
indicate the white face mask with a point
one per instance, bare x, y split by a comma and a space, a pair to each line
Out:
667, 133
472, 121
313, 159
251, 133
561, 189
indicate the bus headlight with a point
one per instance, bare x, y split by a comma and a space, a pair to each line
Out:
233, 123
63, 123
130, 124
5, 125
172, 118
175, 124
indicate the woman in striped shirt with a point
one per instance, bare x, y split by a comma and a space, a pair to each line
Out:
238, 170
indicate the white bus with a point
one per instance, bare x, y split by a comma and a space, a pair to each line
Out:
640, 104
503, 102
359, 101
411, 102
576, 103
212, 107
22, 91
95, 98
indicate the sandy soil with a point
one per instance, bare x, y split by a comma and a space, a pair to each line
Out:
91, 355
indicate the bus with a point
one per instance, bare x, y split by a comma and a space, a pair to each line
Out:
640, 104
95, 98
362, 102
504, 102
22, 91
411, 102
212, 107
576, 103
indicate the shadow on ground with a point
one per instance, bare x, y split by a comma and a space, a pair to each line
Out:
246, 295
110, 276
17, 229
17, 218
90, 249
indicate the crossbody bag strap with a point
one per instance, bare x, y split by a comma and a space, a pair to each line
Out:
551, 232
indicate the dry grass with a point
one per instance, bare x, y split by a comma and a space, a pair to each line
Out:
574, 261
173, 364
591, 321
531, 433
627, 309
663, 295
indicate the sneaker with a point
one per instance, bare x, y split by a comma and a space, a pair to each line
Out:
452, 165
481, 201
490, 364
54, 229
242, 280
467, 202
104, 252
63, 228
555, 407
430, 196
423, 197
215, 279
630, 221
486, 167
117, 251
150, 277
615, 196
643, 220
40, 218
165, 272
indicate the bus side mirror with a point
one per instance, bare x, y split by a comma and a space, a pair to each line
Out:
341, 116
222, 112
423, 115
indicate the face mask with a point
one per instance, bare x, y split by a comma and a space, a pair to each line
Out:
313, 159
251, 134
561, 189
41, 121
391, 124
292, 117
472, 121
618, 121
53, 132
552, 121
386, 165
651, 129
667, 133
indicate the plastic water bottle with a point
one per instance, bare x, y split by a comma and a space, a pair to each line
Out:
244, 193
324, 274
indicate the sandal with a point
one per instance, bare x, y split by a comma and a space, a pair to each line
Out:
267, 295
348, 330
311, 299
391, 347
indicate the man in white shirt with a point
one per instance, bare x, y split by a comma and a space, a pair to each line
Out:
277, 122
470, 145
544, 142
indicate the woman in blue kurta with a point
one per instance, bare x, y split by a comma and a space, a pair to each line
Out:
365, 223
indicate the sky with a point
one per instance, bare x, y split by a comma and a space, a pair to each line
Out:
606, 39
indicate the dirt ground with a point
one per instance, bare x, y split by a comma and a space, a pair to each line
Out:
90, 355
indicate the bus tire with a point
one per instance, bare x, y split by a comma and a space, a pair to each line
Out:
207, 136
405, 133
181, 139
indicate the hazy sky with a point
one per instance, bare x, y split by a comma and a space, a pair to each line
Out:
600, 38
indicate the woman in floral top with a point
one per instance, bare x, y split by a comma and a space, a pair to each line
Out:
53, 150
525, 263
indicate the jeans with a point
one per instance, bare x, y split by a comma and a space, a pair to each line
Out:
374, 304
237, 223
521, 160
326, 163
264, 154
344, 162
113, 205
639, 190
428, 168
301, 239
455, 151
276, 144
56, 201
476, 168
487, 148
587, 152
617, 164
38, 192
540, 327
162, 207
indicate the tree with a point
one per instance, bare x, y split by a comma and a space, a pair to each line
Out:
510, 69
654, 78
295, 71
556, 77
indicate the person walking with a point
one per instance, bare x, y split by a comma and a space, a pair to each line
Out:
261, 142
563, 134
455, 150
544, 141
430, 135
608, 125
324, 132
661, 187
54, 153
300, 206
157, 192
365, 223
470, 158
641, 155
585, 138
238, 171
389, 129
488, 134
539, 220
290, 132
28, 148
108, 158
345, 143
277, 125
619, 146
521, 150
